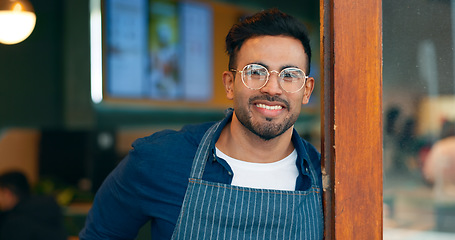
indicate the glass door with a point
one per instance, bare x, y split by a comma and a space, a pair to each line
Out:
419, 119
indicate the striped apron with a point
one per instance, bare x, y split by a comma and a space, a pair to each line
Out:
213, 210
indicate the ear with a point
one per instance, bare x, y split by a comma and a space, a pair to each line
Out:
308, 89
228, 81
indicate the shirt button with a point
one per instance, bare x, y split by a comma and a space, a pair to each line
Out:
230, 173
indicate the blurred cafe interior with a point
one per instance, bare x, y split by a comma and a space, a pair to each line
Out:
94, 75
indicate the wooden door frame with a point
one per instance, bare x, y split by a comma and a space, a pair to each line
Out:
351, 53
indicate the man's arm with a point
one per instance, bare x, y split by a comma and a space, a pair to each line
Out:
116, 212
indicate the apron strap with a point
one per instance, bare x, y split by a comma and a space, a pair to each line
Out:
202, 152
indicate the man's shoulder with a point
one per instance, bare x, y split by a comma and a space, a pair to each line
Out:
188, 136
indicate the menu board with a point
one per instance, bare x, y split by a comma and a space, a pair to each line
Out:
126, 47
197, 63
158, 50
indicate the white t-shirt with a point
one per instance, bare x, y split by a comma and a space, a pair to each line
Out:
280, 175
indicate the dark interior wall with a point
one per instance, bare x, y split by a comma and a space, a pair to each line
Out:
31, 72
44, 80
78, 109
68, 156
45, 84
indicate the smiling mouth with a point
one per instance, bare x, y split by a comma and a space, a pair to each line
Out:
275, 107
269, 102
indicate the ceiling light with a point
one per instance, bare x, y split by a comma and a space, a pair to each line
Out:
17, 20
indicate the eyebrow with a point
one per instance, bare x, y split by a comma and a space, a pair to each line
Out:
283, 67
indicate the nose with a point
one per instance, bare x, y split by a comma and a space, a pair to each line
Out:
272, 87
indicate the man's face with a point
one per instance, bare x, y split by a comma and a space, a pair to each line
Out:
269, 111
7, 199
2, 199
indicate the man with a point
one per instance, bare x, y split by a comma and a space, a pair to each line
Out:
27, 217
249, 176
439, 165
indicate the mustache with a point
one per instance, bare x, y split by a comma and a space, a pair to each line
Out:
270, 99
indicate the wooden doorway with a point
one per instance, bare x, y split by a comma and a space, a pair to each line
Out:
351, 43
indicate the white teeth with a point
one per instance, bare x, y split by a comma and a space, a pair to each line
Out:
260, 105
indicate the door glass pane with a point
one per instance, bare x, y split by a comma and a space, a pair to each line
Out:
419, 119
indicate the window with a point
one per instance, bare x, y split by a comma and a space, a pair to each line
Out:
419, 111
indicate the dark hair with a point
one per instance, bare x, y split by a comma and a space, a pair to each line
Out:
17, 183
271, 22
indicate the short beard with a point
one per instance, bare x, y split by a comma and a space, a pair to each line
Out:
269, 130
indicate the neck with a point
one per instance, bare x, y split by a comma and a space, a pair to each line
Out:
240, 143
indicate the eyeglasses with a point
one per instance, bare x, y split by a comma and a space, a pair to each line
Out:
255, 76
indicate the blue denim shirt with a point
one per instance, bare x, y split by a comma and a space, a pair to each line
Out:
150, 183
